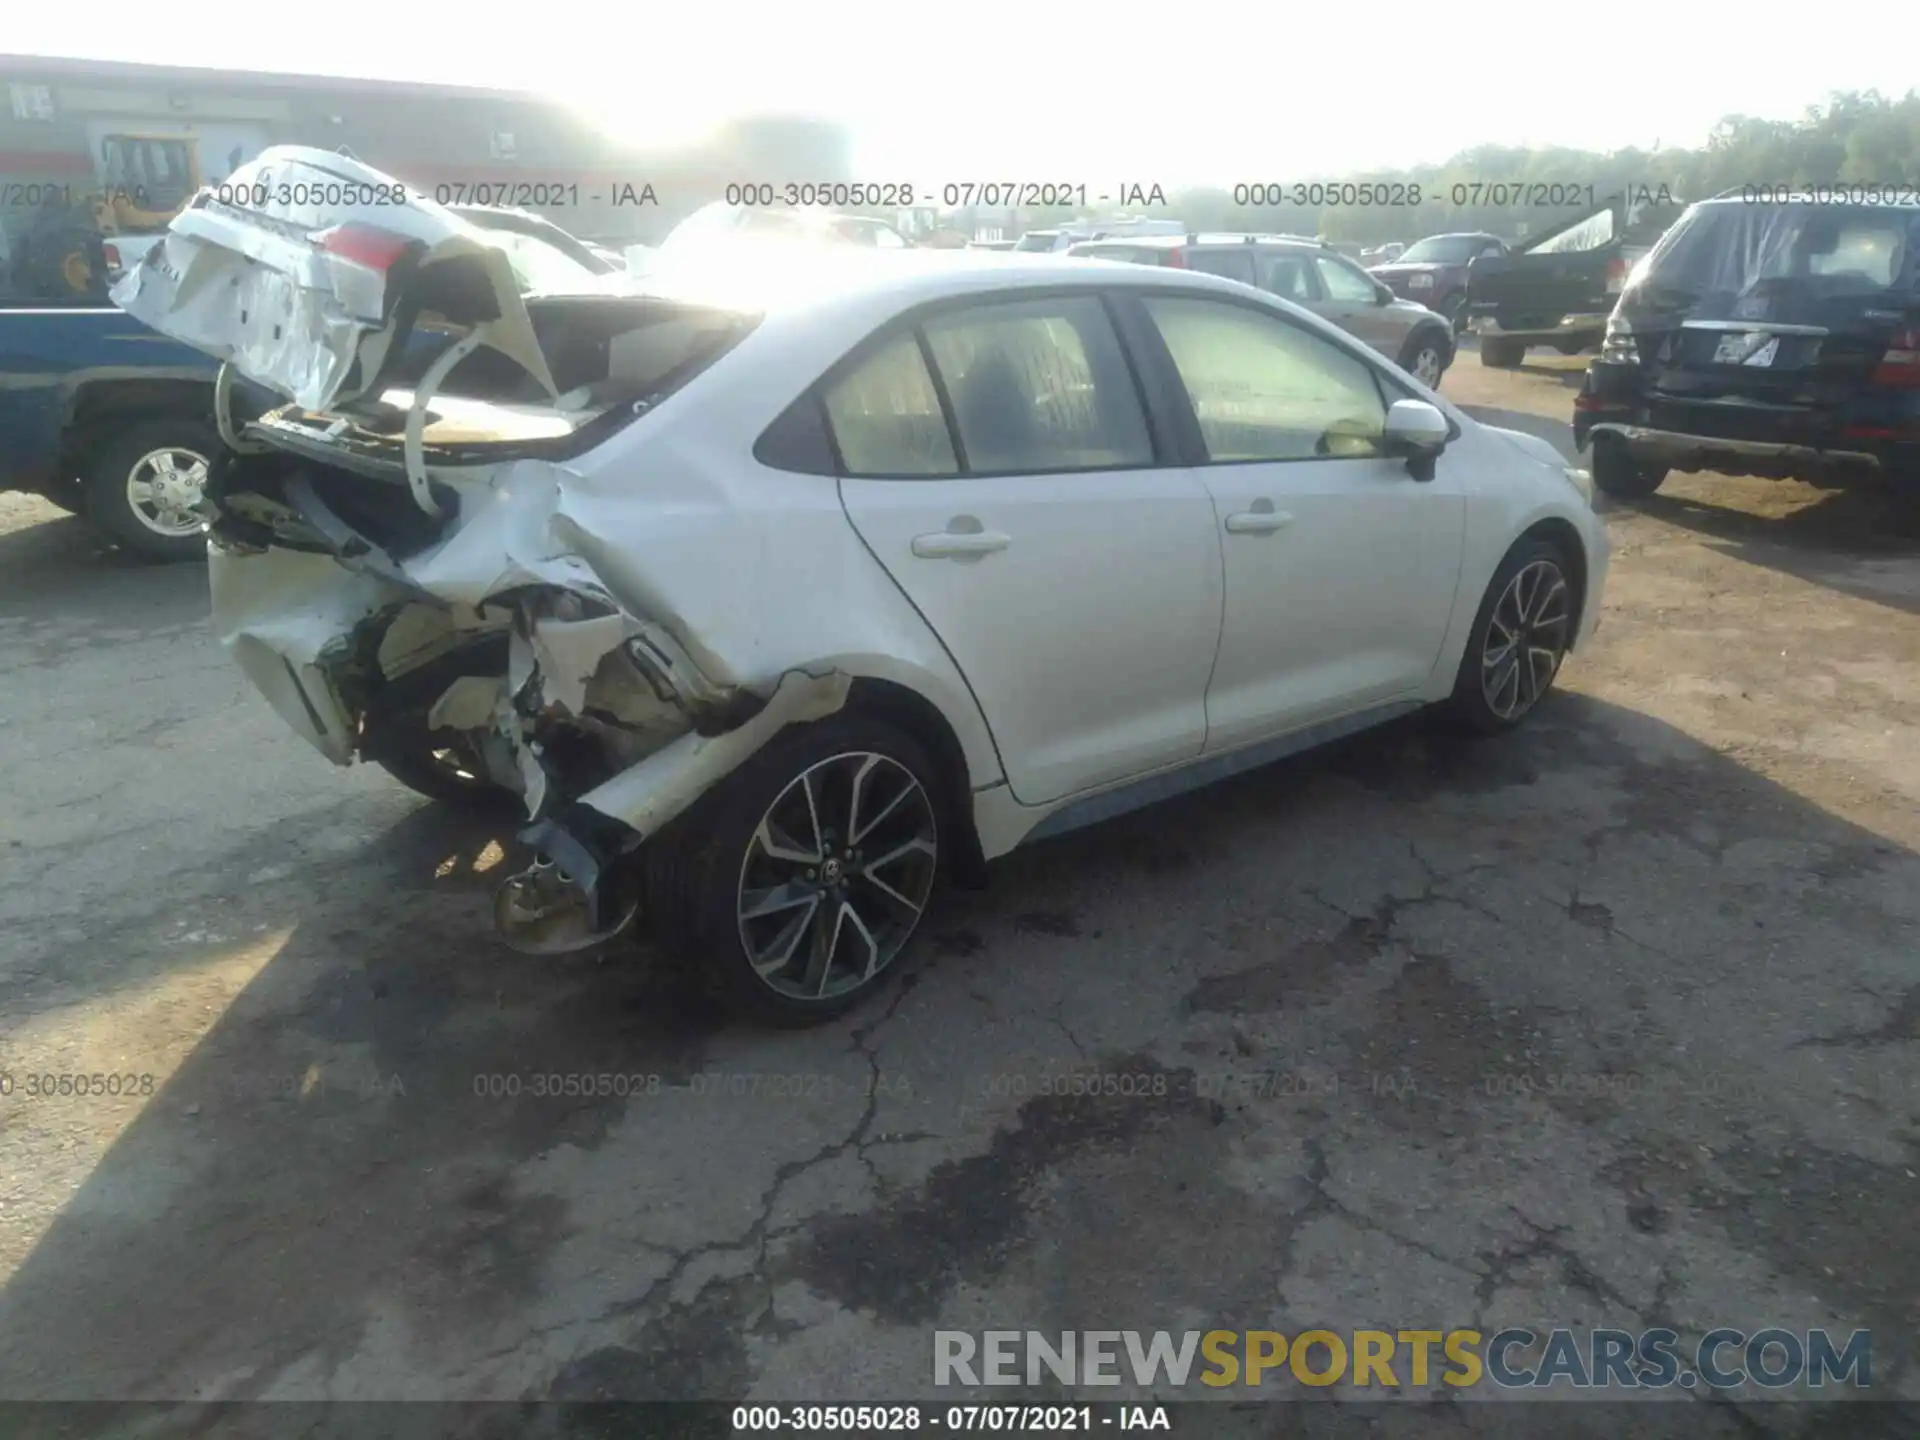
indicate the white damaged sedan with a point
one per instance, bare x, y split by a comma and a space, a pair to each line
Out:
788, 584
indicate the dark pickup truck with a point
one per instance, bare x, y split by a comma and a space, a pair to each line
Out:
107, 419
1560, 289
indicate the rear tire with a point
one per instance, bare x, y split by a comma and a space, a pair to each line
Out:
1618, 475
1501, 354
1520, 636
167, 457
442, 765
764, 858
443, 774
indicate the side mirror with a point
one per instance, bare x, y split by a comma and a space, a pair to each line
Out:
1418, 431
1381, 294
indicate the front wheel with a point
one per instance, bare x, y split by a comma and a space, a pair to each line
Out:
794, 886
1520, 635
144, 487
1425, 358
1501, 354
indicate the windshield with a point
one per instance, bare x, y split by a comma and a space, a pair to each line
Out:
1443, 250
1590, 234
1038, 240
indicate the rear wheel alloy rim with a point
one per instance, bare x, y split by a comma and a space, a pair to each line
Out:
836, 876
1526, 639
164, 488
1426, 366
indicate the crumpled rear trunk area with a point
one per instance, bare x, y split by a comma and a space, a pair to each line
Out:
373, 627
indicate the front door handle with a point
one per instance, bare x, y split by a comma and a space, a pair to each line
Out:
957, 544
1263, 519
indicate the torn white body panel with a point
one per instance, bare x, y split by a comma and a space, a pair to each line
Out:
277, 615
657, 789
293, 268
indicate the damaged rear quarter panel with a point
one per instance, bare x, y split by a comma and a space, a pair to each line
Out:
280, 616
755, 572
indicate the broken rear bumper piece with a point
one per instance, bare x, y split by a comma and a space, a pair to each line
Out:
605, 722
569, 897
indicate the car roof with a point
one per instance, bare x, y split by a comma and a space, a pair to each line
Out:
814, 307
786, 279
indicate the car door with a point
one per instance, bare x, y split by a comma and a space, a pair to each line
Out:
999, 463
1353, 302
1340, 565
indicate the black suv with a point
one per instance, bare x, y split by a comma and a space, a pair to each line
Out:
1779, 338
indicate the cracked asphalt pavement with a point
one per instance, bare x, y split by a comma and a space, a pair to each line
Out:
1614, 1021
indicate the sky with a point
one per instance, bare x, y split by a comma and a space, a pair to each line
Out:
1023, 90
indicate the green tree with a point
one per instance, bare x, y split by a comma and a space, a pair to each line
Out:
1855, 137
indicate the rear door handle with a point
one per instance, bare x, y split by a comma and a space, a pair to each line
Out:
955, 544
1258, 521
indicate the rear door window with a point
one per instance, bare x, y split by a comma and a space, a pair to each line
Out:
1228, 264
1039, 385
